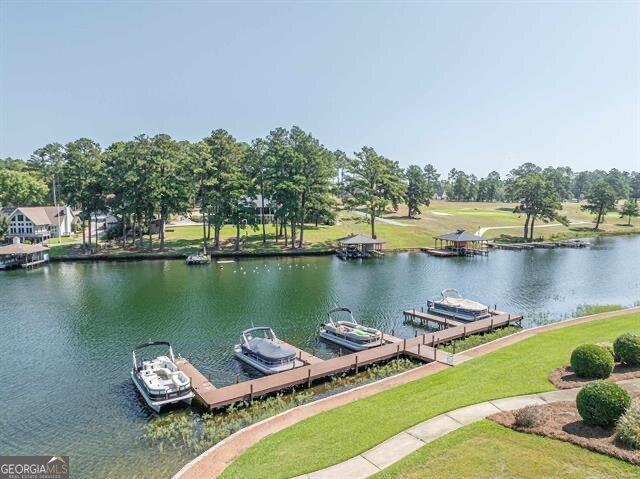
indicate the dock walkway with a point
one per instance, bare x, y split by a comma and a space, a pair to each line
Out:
423, 348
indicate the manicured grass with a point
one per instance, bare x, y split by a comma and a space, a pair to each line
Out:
416, 233
342, 433
488, 450
478, 339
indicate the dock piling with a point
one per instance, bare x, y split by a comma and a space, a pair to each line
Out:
309, 377
356, 364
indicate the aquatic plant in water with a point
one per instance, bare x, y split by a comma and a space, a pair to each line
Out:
195, 432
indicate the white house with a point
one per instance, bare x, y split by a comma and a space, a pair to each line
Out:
39, 223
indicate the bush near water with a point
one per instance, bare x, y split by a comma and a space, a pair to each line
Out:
592, 361
601, 403
627, 348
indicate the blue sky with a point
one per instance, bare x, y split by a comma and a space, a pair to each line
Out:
477, 85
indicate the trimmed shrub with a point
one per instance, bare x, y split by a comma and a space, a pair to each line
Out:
609, 347
592, 361
529, 416
627, 348
628, 427
601, 403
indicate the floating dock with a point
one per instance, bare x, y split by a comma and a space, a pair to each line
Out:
423, 348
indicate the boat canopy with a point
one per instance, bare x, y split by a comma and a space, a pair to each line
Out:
149, 344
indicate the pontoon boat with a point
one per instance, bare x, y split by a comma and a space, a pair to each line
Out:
159, 380
452, 304
260, 348
198, 258
349, 333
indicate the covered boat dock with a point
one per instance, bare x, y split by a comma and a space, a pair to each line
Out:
359, 246
23, 255
458, 243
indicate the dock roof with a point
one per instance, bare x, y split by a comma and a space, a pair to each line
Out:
359, 239
461, 235
21, 248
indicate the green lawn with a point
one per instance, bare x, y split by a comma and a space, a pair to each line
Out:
342, 433
439, 218
488, 450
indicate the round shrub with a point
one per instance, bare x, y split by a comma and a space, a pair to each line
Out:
601, 403
628, 427
592, 361
609, 347
627, 348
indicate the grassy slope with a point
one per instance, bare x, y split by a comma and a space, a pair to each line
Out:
344, 432
417, 233
490, 450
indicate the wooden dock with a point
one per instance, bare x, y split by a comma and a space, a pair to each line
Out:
444, 253
422, 348
425, 318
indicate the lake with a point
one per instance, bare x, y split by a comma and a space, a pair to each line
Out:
68, 328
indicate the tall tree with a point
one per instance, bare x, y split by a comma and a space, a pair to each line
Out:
222, 172
21, 188
419, 190
630, 209
560, 179
315, 168
171, 182
601, 198
48, 160
536, 195
259, 170
374, 182
82, 182
634, 186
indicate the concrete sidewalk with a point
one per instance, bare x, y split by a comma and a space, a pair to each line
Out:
401, 445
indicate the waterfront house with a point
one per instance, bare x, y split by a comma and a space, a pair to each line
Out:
24, 255
39, 223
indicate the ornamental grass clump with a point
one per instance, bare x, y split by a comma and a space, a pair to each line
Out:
601, 403
628, 426
627, 348
528, 417
592, 361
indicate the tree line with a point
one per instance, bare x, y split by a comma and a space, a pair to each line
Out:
146, 180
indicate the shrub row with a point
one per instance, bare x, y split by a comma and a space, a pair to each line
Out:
597, 360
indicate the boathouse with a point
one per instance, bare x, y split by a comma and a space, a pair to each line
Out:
359, 246
461, 243
23, 255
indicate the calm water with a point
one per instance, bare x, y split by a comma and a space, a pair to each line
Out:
68, 329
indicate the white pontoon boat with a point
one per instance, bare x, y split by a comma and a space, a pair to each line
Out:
349, 333
452, 304
159, 380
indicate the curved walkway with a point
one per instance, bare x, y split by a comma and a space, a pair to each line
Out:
401, 445
213, 461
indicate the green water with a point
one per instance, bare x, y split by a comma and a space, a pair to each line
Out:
68, 329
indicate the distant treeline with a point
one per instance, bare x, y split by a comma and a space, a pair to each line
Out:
147, 179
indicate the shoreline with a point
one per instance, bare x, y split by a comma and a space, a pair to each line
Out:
257, 254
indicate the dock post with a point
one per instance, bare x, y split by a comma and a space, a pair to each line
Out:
393, 332
382, 338
423, 338
508, 319
415, 333
398, 352
435, 351
309, 377
209, 377
404, 344
356, 364
433, 339
491, 327
250, 393
453, 343
419, 349
464, 332
237, 378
